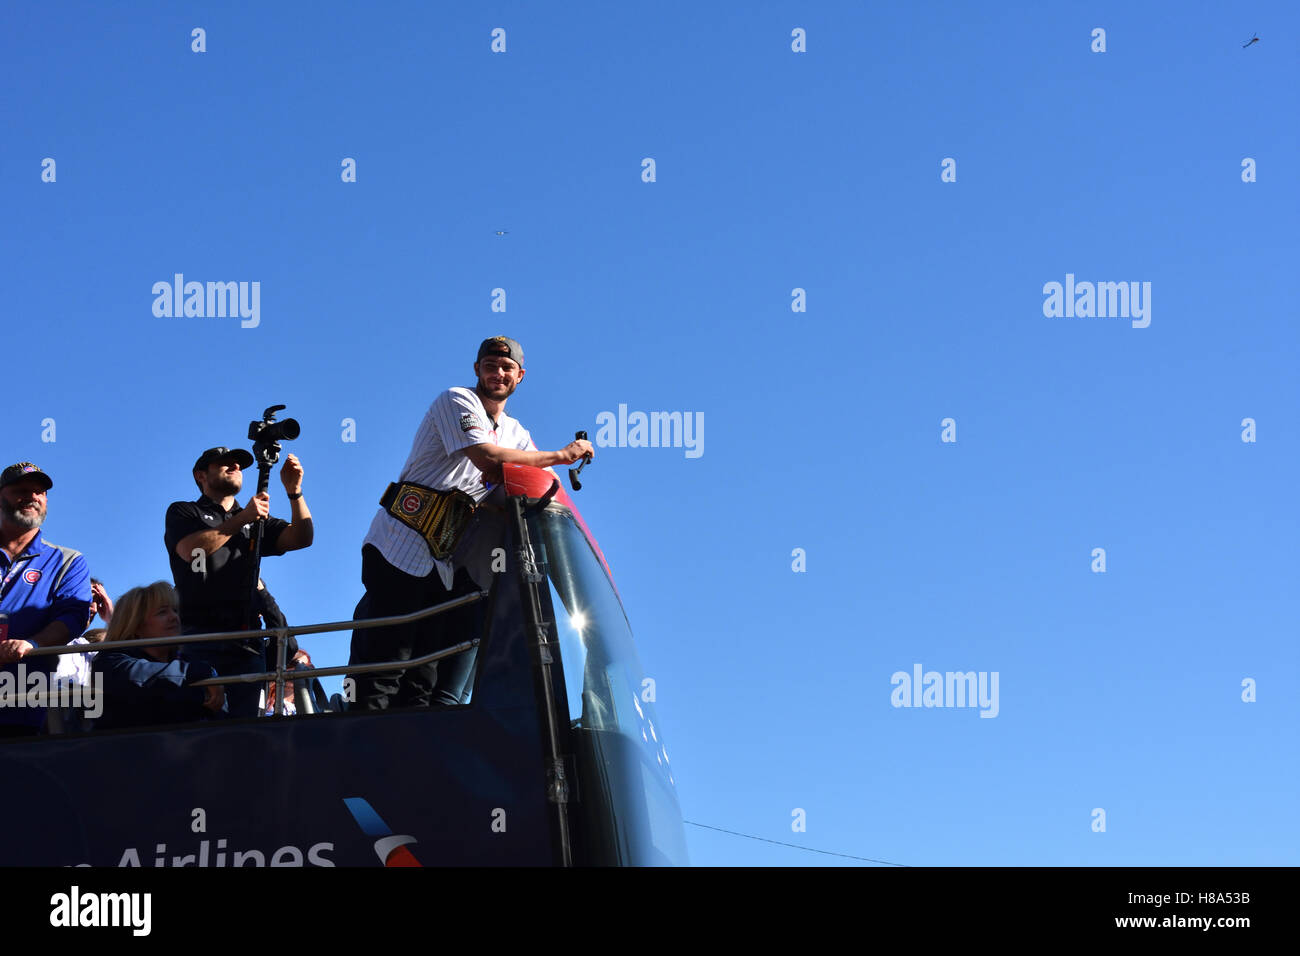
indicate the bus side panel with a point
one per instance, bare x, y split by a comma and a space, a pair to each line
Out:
443, 787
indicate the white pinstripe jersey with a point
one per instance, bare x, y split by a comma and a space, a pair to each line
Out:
454, 421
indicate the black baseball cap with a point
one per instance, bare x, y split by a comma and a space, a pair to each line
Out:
244, 458
500, 345
21, 472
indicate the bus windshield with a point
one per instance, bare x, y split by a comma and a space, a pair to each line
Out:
608, 693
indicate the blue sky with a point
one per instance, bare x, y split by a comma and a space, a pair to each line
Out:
774, 170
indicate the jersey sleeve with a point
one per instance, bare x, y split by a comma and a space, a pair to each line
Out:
459, 421
526, 442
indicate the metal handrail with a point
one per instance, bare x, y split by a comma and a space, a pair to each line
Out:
281, 633
56, 649
303, 673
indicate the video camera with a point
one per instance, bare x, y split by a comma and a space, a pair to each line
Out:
267, 434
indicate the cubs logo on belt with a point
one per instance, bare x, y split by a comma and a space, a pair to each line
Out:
440, 517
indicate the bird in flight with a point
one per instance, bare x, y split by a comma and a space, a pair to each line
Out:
1254, 39
501, 232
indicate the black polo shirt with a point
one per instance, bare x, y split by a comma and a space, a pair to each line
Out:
214, 599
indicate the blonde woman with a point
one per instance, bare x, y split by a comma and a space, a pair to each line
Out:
148, 684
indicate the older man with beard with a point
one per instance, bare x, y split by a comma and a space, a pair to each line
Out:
209, 543
44, 587
464, 439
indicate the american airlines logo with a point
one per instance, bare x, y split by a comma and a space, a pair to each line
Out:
389, 847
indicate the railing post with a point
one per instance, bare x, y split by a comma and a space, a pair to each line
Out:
537, 634
281, 652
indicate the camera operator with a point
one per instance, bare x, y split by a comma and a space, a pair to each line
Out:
209, 544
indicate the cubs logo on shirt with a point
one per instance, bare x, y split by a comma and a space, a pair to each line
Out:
31, 577
467, 422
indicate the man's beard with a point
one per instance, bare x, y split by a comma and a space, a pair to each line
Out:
23, 520
485, 390
222, 486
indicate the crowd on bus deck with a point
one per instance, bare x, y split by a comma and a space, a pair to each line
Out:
47, 598
214, 546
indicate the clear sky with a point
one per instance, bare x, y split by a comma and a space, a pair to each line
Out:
774, 170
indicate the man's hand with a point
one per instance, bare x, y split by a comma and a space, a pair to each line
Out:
216, 698
259, 506
11, 651
291, 475
100, 603
575, 450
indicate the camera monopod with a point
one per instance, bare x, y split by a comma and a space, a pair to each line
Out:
266, 436
586, 460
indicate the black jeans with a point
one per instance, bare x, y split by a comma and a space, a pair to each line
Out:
389, 592
242, 700
255, 655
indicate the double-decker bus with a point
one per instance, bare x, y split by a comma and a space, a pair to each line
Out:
557, 759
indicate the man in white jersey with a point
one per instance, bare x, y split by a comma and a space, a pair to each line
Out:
461, 444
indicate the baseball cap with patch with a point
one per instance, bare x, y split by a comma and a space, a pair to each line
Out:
21, 472
221, 451
500, 345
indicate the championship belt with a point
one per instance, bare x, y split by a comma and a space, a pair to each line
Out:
440, 517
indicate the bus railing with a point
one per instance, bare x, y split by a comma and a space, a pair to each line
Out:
282, 634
